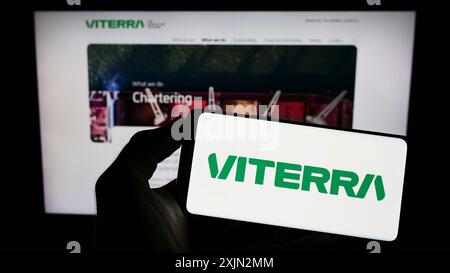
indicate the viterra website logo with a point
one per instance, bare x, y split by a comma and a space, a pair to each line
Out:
287, 175
115, 23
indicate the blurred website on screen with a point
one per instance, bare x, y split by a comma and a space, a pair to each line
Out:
102, 76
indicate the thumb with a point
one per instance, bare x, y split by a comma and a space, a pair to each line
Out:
145, 150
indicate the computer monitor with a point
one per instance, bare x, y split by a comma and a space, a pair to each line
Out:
103, 76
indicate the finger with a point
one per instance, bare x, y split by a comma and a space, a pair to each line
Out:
145, 150
157, 143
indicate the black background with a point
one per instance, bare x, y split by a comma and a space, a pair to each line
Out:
24, 226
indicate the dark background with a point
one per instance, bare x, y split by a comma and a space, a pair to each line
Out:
25, 227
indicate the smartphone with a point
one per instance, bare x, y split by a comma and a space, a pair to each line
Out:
301, 176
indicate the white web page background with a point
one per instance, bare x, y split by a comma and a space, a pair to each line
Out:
72, 162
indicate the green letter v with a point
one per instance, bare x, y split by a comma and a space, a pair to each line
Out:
214, 169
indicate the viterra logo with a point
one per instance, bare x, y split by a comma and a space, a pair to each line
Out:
108, 23
347, 180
